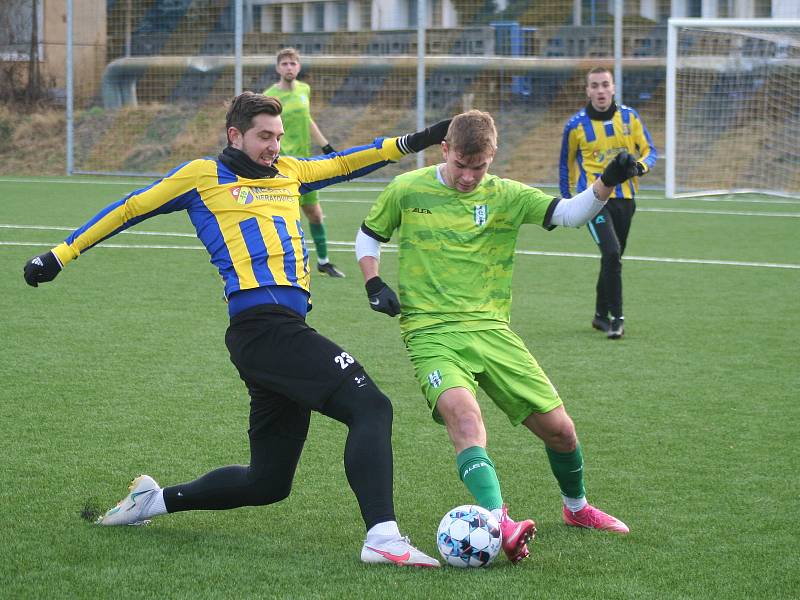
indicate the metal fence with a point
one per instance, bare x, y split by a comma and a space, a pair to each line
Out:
149, 90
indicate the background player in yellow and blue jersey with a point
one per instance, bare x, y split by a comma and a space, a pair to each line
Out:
300, 128
457, 230
592, 138
244, 207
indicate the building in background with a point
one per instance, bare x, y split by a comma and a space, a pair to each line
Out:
157, 72
268, 16
43, 22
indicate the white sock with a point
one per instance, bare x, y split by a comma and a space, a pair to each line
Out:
498, 514
323, 261
155, 506
387, 529
574, 504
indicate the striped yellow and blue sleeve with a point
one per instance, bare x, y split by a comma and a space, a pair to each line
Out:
173, 192
648, 155
321, 171
568, 167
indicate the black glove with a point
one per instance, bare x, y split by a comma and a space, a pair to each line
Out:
622, 168
415, 142
640, 169
381, 297
328, 149
41, 269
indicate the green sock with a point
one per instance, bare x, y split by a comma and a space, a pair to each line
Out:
320, 237
477, 472
568, 469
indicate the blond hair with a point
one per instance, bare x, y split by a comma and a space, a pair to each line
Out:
472, 133
287, 53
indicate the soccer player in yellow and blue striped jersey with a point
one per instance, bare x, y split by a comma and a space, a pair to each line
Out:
244, 207
592, 138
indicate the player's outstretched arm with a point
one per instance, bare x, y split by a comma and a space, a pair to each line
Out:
619, 170
42, 268
430, 136
360, 160
583, 207
165, 195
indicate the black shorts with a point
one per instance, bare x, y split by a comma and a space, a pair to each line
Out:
280, 357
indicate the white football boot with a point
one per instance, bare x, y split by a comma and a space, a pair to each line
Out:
131, 510
395, 551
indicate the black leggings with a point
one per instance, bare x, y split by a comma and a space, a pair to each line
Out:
609, 230
275, 452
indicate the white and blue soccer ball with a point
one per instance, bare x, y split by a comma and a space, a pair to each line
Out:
469, 536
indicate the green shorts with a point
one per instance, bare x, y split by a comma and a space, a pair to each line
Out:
495, 359
311, 197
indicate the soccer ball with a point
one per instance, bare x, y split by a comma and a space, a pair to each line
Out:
468, 536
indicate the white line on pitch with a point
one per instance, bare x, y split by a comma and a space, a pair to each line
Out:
127, 231
694, 261
117, 246
658, 210
343, 189
737, 213
348, 246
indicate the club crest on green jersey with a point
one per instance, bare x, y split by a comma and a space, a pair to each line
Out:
481, 211
435, 378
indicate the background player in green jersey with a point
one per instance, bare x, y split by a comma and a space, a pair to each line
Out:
300, 129
592, 137
457, 229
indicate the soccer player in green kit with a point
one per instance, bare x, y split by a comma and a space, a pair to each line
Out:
458, 228
295, 96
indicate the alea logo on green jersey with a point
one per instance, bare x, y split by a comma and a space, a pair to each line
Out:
481, 212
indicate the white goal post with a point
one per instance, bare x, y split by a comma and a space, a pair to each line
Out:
733, 107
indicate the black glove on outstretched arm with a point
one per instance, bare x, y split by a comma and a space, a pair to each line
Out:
415, 142
620, 169
328, 149
41, 269
381, 297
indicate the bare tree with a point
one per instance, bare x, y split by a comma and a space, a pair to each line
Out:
20, 74
33, 91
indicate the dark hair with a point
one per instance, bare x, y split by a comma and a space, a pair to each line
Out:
472, 133
600, 70
246, 106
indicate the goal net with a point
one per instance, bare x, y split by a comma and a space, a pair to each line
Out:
733, 107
